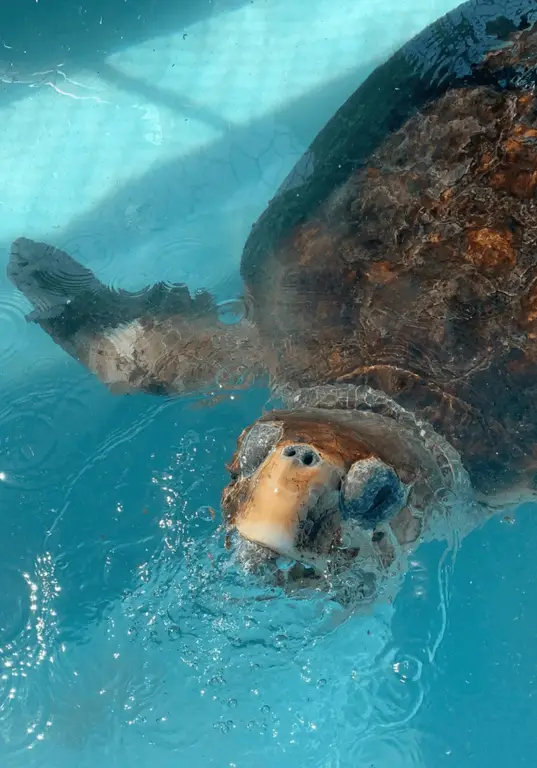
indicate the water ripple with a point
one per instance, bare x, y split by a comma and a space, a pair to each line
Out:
150, 262
41, 429
237, 647
183, 258
91, 249
180, 651
28, 439
174, 244
15, 606
13, 326
93, 703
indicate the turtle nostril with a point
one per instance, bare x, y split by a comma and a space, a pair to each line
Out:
302, 453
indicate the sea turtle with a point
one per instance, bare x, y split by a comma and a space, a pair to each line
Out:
391, 287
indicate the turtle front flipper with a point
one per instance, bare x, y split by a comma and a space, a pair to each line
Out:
160, 340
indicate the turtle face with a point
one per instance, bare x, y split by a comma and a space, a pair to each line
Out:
312, 491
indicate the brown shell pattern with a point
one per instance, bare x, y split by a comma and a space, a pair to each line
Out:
418, 275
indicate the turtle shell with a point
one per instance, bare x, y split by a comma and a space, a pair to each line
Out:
401, 251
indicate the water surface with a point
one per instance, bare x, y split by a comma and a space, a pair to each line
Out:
146, 138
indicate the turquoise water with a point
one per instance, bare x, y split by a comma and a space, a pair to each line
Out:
145, 138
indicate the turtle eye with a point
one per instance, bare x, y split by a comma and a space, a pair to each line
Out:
257, 445
372, 493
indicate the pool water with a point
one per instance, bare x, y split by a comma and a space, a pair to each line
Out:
145, 138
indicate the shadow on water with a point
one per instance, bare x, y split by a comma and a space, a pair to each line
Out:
206, 179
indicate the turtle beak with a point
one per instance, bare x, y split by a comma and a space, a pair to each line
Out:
292, 508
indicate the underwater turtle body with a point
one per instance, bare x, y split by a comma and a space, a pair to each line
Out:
392, 286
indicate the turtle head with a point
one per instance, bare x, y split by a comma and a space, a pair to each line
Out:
307, 487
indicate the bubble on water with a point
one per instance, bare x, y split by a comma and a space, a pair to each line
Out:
408, 670
206, 514
90, 249
174, 633
231, 312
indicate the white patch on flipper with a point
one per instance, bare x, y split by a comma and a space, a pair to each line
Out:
111, 356
125, 338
